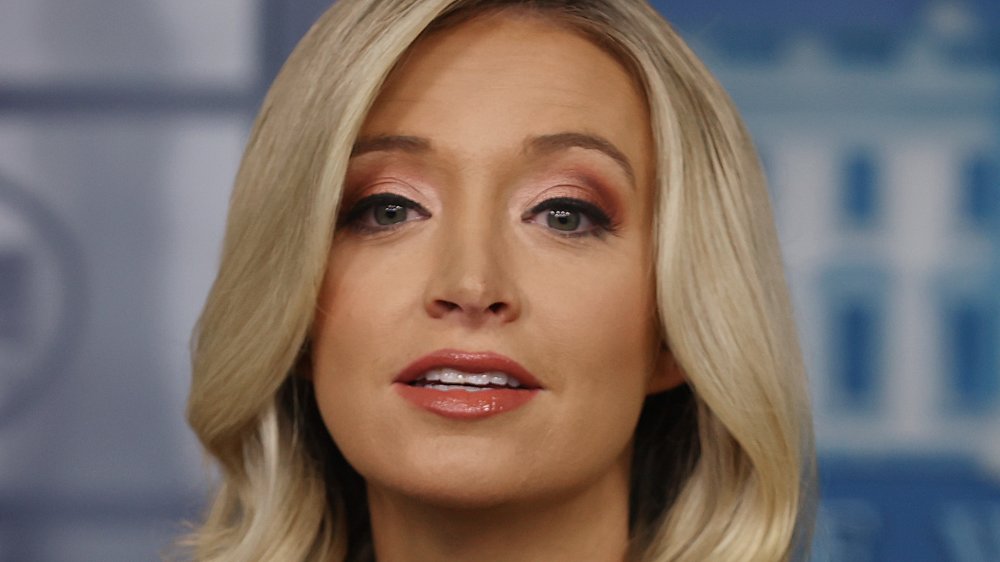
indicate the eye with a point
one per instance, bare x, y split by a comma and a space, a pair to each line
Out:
570, 217
382, 211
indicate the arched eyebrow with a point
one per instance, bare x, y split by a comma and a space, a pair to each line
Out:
388, 143
538, 145
547, 144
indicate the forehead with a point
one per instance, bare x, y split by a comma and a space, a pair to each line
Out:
499, 79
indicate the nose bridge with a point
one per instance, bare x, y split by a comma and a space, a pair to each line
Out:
473, 240
471, 276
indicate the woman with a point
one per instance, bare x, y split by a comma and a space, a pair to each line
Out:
500, 282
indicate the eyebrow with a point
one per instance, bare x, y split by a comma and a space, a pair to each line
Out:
540, 144
386, 143
547, 144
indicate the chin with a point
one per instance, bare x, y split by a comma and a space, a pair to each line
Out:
469, 477
457, 496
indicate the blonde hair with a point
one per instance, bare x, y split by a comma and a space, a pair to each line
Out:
723, 465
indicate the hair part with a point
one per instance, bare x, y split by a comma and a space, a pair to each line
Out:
722, 468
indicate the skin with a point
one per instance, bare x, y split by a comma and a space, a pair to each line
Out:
472, 269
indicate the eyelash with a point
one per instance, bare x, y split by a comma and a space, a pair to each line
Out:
602, 223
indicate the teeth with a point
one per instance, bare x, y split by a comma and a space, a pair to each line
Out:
478, 380
500, 379
454, 376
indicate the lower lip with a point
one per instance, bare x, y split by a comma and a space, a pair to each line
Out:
465, 405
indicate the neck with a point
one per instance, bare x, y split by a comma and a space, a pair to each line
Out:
586, 525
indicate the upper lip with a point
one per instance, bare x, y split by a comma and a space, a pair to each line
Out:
470, 362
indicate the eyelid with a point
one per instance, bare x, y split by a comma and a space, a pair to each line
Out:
575, 184
358, 188
575, 202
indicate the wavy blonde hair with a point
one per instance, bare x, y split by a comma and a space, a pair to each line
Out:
722, 467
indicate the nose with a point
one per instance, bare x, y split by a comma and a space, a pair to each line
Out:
472, 281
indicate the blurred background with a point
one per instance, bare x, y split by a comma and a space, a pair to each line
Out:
121, 126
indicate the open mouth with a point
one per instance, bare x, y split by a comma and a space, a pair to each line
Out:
466, 385
448, 379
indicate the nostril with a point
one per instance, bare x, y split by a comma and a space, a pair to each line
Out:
448, 305
473, 309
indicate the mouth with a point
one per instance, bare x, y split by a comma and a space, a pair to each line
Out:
466, 385
449, 369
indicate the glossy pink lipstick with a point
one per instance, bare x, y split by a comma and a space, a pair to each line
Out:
466, 385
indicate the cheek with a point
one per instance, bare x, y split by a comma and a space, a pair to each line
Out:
362, 313
604, 313
596, 336
599, 338
362, 299
359, 328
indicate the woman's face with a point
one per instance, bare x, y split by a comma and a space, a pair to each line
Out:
496, 218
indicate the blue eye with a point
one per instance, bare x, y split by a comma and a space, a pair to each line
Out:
570, 217
382, 211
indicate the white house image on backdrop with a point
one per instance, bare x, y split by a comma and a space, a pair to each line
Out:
885, 182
